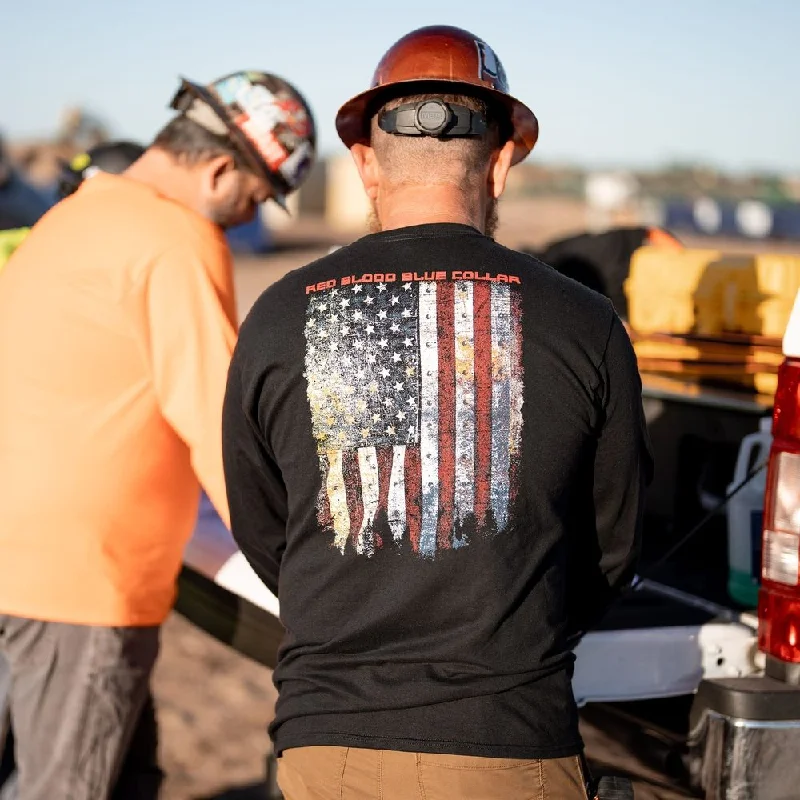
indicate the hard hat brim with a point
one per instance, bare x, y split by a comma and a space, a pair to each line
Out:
352, 123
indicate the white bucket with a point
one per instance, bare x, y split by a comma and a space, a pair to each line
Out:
745, 515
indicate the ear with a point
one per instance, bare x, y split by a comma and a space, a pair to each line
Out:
368, 168
499, 169
216, 169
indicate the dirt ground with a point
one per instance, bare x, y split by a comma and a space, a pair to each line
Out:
213, 704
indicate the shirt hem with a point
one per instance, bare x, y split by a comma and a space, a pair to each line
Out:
431, 746
95, 620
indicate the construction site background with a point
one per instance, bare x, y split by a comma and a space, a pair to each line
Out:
586, 199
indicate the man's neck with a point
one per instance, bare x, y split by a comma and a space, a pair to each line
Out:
159, 170
404, 206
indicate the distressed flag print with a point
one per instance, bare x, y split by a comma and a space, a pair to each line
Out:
416, 393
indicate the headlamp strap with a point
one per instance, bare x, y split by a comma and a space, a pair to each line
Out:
433, 117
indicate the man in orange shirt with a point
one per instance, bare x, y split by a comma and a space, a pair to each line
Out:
117, 323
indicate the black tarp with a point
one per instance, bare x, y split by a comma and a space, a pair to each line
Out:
600, 261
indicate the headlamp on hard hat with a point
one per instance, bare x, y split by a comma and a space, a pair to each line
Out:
432, 117
440, 59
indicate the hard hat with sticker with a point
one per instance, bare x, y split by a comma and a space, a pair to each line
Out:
265, 116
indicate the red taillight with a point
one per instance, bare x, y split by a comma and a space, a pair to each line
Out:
779, 597
779, 625
786, 418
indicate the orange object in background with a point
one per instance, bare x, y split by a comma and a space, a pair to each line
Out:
114, 349
658, 237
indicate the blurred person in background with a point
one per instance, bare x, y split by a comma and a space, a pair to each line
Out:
111, 157
20, 203
436, 456
117, 323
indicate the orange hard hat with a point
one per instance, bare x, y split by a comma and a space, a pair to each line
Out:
439, 58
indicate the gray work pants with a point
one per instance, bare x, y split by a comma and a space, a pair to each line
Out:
8, 775
79, 705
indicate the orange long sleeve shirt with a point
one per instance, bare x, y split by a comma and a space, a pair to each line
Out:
117, 324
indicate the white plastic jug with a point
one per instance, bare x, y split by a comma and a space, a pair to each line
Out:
745, 515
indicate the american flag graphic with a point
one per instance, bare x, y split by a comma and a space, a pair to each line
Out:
416, 394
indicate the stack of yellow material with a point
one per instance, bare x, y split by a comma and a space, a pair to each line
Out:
709, 316
661, 288
748, 362
755, 298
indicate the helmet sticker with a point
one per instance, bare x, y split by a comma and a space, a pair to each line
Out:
294, 116
228, 88
298, 163
273, 112
258, 103
267, 145
489, 66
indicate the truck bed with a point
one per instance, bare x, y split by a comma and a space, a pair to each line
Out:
648, 646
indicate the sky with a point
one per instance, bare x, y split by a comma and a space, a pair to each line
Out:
614, 83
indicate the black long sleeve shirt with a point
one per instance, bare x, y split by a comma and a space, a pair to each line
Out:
436, 456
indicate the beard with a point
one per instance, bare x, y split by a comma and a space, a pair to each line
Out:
490, 221
232, 208
373, 222
230, 215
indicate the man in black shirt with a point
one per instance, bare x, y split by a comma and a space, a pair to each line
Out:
436, 456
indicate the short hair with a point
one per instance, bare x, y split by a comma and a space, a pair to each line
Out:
191, 143
429, 160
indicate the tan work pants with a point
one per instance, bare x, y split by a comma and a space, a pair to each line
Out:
350, 773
